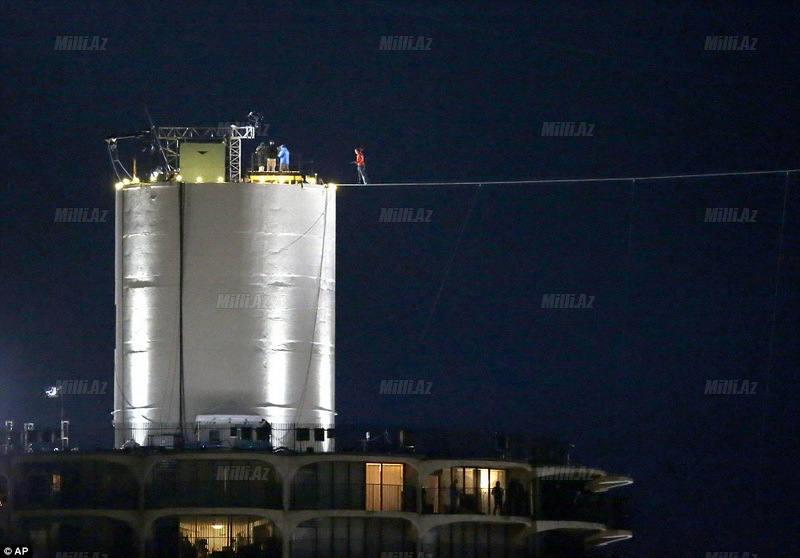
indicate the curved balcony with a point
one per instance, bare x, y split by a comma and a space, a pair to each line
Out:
328, 537
75, 532
255, 503
73, 484
355, 483
187, 483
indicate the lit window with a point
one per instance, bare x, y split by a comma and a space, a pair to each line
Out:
384, 486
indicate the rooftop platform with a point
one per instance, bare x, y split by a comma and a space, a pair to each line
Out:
280, 177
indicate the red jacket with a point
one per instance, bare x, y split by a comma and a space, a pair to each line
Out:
360, 158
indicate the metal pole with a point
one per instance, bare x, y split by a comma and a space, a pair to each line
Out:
61, 424
181, 386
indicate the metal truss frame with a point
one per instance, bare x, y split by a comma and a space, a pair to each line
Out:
233, 135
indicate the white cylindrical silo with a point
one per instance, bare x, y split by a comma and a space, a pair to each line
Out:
146, 375
254, 273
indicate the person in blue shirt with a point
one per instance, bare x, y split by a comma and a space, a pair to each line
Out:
283, 155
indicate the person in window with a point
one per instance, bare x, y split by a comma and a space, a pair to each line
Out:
497, 494
455, 496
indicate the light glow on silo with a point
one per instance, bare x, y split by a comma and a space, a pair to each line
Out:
273, 358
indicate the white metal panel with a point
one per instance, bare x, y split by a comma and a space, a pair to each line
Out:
146, 378
258, 298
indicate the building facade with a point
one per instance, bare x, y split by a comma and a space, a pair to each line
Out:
151, 503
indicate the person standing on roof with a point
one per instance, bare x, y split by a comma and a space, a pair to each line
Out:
272, 156
283, 155
361, 165
261, 155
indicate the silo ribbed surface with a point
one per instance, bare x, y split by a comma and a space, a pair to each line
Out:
256, 269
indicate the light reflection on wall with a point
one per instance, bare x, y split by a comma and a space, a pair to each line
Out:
215, 533
275, 358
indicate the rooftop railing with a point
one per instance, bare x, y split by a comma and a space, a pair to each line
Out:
306, 438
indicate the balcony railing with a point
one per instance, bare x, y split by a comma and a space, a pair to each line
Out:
235, 494
354, 496
472, 500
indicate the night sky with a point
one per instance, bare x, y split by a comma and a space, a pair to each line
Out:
457, 301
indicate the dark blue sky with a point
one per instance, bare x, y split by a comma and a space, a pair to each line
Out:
677, 301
